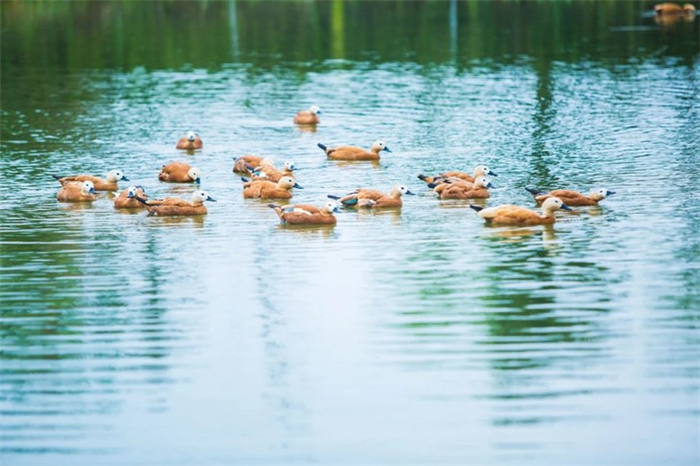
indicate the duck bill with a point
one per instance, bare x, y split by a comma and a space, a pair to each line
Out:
410, 193
386, 149
92, 190
124, 178
296, 185
336, 210
610, 193
211, 199
566, 207
198, 181
492, 173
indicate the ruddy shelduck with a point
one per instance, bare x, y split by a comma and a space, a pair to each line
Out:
674, 9
354, 153
271, 173
190, 141
179, 172
374, 199
263, 189
308, 117
175, 207
246, 164
127, 198
464, 190
481, 170
572, 198
76, 191
305, 214
520, 216
107, 184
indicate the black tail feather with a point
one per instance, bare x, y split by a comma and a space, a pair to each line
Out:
272, 206
476, 207
422, 177
142, 201
57, 177
244, 179
335, 198
323, 148
534, 192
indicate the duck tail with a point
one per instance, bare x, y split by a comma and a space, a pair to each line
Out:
534, 192
142, 201
244, 179
423, 177
56, 177
335, 198
476, 207
323, 148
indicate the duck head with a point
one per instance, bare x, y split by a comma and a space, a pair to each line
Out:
330, 207
88, 187
289, 166
483, 170
315, 110
198, 197
287, 182
552, 204
379, 146
482, 182
600, 194
194, 174
399, 190
116, 175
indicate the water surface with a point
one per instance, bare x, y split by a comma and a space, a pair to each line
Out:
419, 336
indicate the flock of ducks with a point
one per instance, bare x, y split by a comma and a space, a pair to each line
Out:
264, 180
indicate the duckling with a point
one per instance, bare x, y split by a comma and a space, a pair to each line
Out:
172, 206
572, 198
191, 141
432, 181
304, 214
108, 184
263, 189
179, 172
464, 190
674, 9
354, 153
374, 199
127, 198
308, 117
520, 216
76, 191
270, 173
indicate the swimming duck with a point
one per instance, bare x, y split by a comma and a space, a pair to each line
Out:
520, 216
465, 190
100, 184
271, 173
172, 206
191, 141
308, 117
354, 153
246, 163
127, 198
76, 191
374, 199
572, 198
179, 172
263, 189
674, 9
432, 181
304, 214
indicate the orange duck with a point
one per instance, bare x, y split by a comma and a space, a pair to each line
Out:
179, 172
175, 207
305, 214
572, 198
127, 198
263, 189
76, 191
191, 141
465, 190
374, 199
354, 153
511, 215
308, 117
99, 184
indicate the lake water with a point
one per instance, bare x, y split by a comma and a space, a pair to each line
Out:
419, 336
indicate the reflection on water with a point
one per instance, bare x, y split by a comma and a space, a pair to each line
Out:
415, 335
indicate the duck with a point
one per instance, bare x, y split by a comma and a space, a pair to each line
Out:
263, 189
572, 198
76, 191
173, 206
271, 173
674, 9
109, 183
354, 153
433, 181
465, 190
374, 199
190, 141
511, 215
179, 172
308, 117
305, 214
127, 198
246, 163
